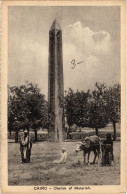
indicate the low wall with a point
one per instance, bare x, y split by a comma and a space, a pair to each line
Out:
43, 136
40, 136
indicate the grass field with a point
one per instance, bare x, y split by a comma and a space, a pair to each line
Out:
42, 171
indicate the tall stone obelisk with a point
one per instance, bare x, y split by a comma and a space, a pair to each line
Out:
55, 83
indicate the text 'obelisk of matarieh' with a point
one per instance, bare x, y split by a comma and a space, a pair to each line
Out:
55, 84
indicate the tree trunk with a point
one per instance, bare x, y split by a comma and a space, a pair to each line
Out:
16, 136
68, 133
96, 131
114, 128
35, 130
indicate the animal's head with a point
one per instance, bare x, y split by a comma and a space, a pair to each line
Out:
81, 146
108, 136
78, 146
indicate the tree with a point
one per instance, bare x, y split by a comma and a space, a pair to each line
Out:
69, 107
98, 117
38, 108
27, 108
81, 108
17, 111
76, 108
93, 109
113, 95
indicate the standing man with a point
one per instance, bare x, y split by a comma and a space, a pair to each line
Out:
25, 147
107, 150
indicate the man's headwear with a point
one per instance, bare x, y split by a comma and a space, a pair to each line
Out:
25, 131
108, 136
63, 149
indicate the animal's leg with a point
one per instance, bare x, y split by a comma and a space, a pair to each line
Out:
101, 154
84, 155
99, 157
95, 155
88, 158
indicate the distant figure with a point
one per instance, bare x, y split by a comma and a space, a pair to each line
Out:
68, 133
25, 147
63, 157
107, 150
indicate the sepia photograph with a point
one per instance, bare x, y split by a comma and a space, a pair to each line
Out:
64, 89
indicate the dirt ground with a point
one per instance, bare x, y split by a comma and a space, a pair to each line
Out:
42, 170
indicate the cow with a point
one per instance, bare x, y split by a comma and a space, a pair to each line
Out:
89, 144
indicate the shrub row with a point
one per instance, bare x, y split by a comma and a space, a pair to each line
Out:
82, 135
74, 135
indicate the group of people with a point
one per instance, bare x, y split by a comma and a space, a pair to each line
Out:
26, 146
106, 147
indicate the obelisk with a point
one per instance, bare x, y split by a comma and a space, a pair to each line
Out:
55, 84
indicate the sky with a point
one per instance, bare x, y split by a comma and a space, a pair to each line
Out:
89, 33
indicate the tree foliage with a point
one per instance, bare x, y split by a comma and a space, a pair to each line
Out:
76, 107
113, 99
27, 108
94, 109
98, 117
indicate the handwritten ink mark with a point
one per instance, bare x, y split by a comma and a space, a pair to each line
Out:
74, 63
80, 62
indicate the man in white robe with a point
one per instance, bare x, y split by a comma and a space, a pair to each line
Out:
25, 147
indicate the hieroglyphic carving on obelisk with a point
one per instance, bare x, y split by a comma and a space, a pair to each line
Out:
55, 83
